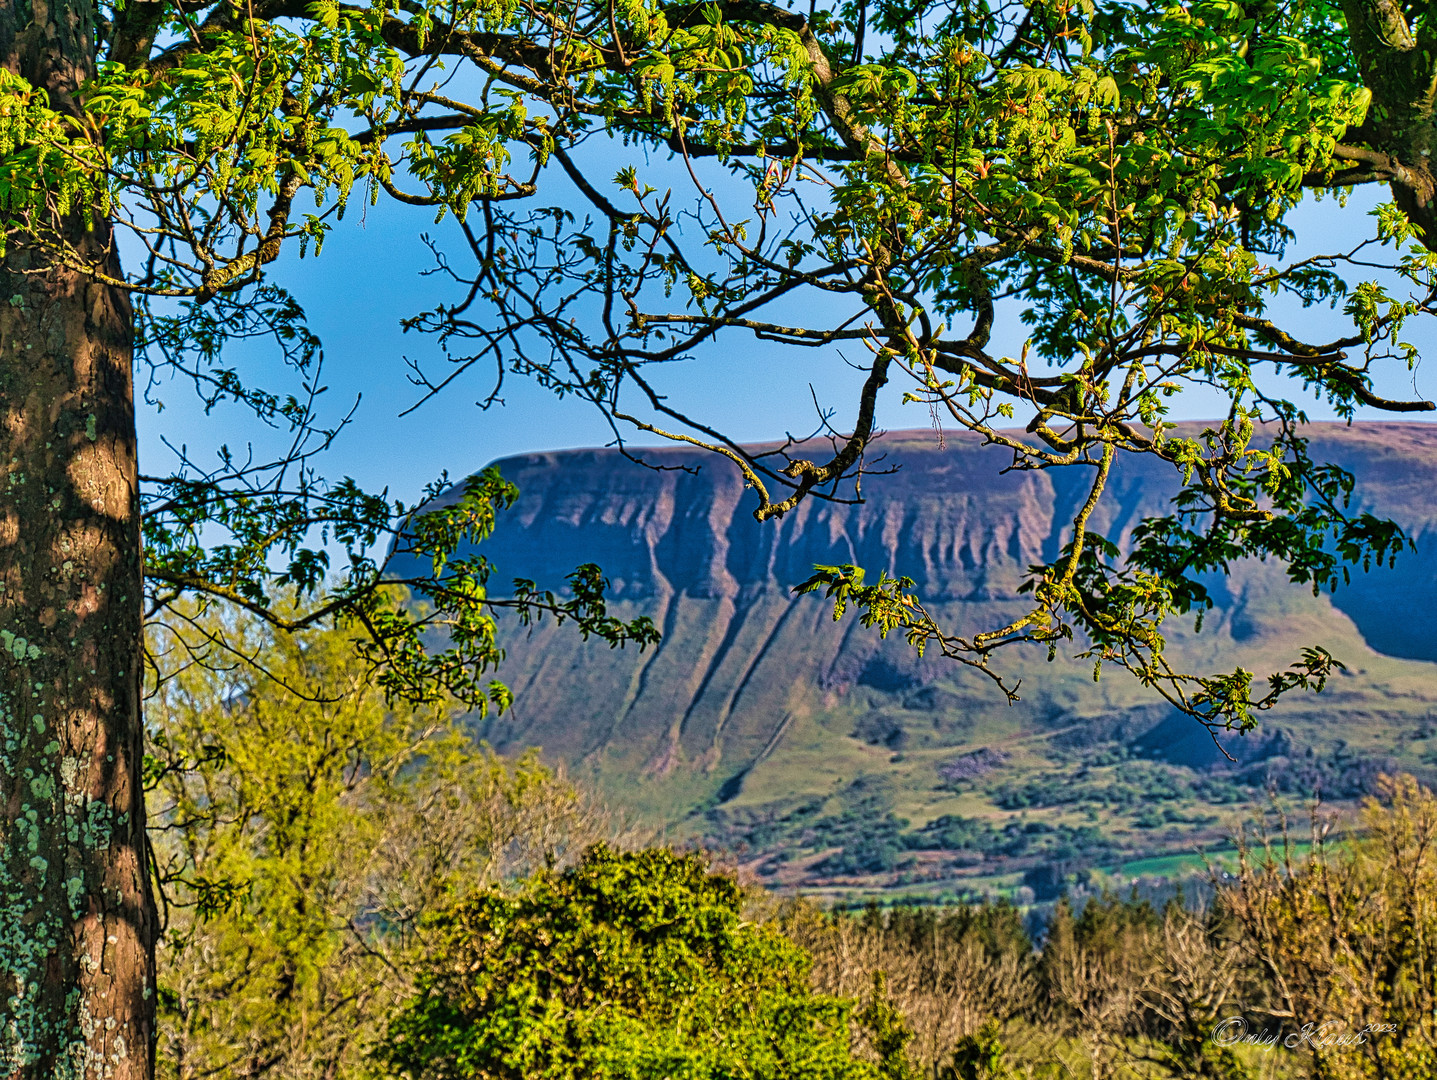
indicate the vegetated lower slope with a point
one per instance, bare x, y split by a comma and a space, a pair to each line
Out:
832, 759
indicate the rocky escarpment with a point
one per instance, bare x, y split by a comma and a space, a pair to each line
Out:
754, 692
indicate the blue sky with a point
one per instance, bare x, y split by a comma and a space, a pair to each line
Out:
369, 277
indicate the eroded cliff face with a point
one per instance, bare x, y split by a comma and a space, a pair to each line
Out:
750, 678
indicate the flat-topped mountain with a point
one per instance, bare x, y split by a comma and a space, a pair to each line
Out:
760, 721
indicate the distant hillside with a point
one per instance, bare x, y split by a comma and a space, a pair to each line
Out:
837, 759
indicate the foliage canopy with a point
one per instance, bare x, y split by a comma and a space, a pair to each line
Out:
302, 833
889, 178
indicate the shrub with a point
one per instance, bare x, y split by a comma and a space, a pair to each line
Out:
635, 965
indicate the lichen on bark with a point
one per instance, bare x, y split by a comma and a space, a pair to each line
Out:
76, 918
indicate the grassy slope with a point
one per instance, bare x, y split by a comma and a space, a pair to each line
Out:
760, 723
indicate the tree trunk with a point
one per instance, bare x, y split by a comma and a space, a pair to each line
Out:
1399, 67
77, 917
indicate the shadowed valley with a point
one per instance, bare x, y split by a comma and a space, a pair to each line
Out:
835, 761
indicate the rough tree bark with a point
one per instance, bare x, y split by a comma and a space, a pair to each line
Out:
77, 918
1399, 66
